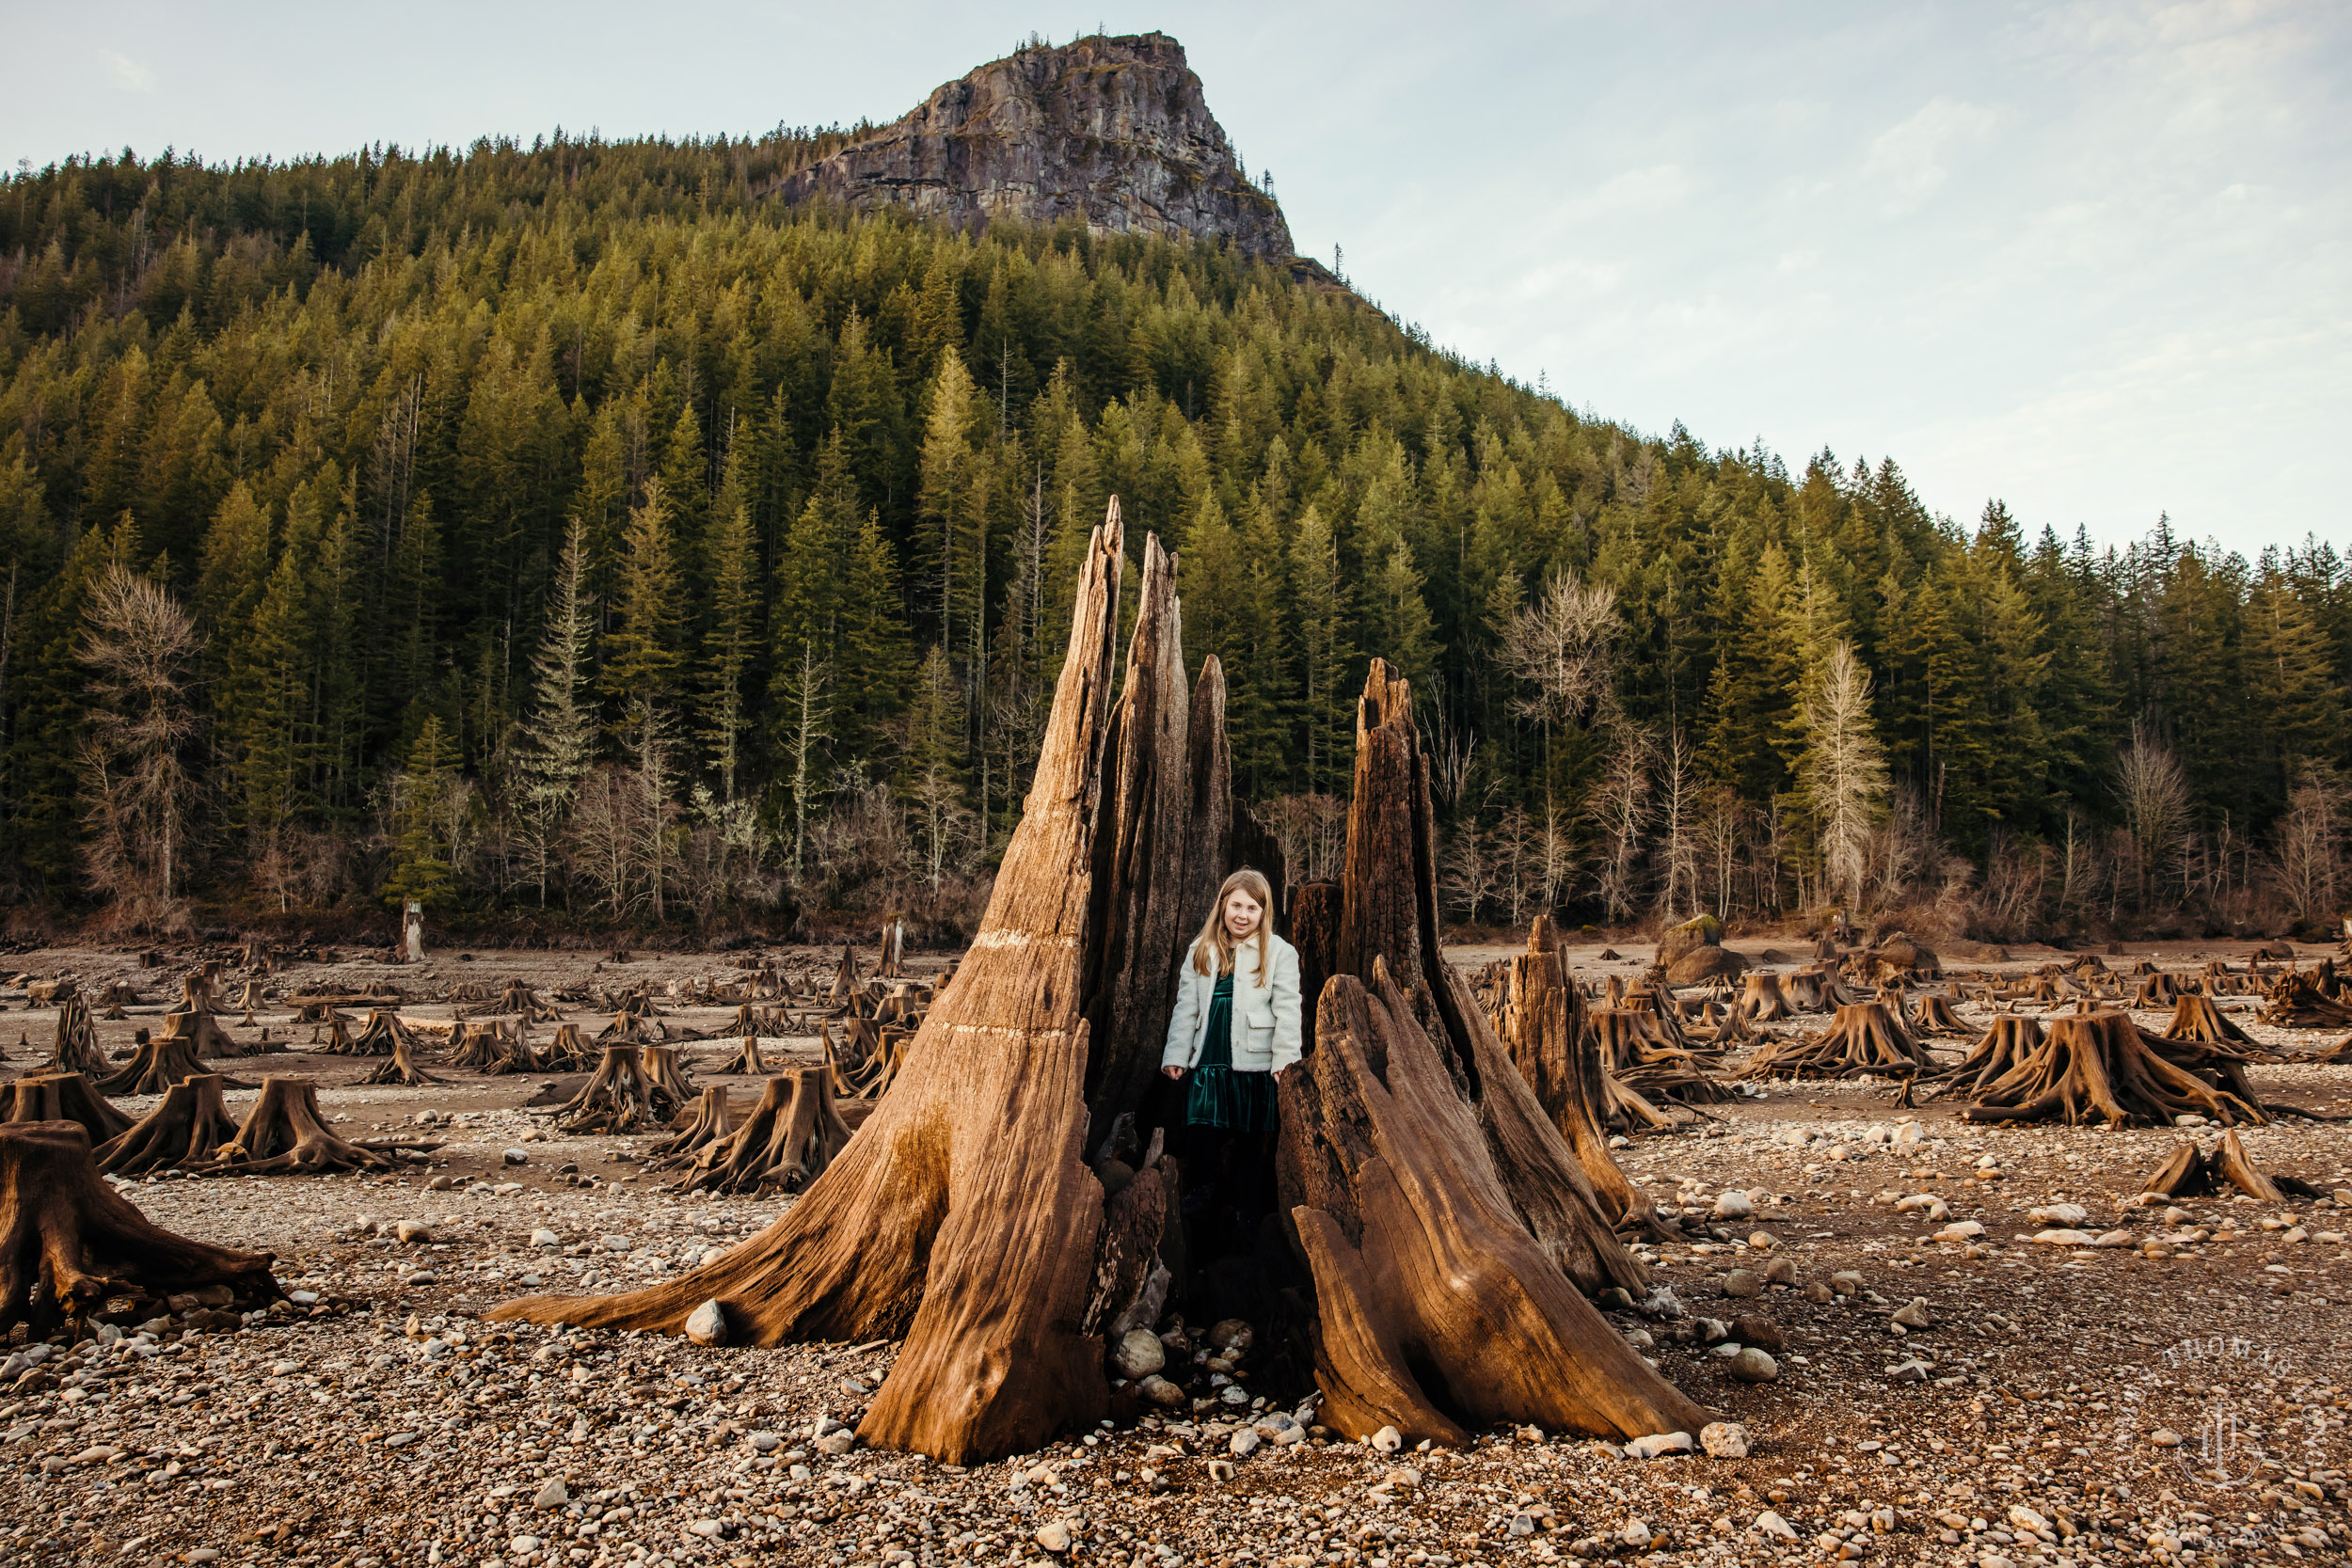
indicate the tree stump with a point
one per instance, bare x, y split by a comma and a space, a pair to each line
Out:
893, 950
1864, 1038
747, 1062
710, 1119
628, 1027
2192, 1172
382, 1034
568, 1051
2101, 1066
2011, 1040
625, 1094
62, 1097
1764, 999
479, 1047
184, 1131
285, 1132
2156, 990
75, 1047
1815, 990
1935, 1016
1446, 1221
665, 1069
788, 1140
194, 1019
155, 1066
845, 977
963, 1216
401, 1068
2195, 1018
516, 1054
73, 1251
867, 1060
1541, 1023
2307, 1001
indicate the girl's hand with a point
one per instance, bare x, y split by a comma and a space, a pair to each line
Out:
1173, 1071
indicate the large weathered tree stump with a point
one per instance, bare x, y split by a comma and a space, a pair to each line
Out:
2010, 1039
569, 1050
185, 1130
1864, 1038
285, 1132
62, 1097
2101, 1067
708, 1119
1446, 1220
73, 1251
962, 1215
479, 1047
787, 1142
194, 1019
1764, 999
75, 1047
155, 1066
1935, 1016
381, 1036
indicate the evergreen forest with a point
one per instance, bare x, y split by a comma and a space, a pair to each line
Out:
565, 533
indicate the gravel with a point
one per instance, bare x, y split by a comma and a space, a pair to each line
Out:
2060, 1405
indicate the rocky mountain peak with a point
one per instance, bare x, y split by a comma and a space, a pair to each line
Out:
1114, 130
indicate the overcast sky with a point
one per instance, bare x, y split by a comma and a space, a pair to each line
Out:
2090, 258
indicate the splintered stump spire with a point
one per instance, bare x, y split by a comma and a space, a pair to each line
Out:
962, 1215
1447, 1221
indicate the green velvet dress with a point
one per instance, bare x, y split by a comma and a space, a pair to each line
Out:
1223, 1095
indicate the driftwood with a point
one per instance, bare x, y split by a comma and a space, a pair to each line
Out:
2102, 1067
73, 1251
155, 1066
788, 1140
62, 1097
75, 1047
285, 1132
2192, 1172
184, 1131
1864, 1038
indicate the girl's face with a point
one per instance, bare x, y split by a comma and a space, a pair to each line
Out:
1242, 914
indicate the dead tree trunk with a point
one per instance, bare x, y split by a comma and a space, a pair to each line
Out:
73, 1251
76, 1049
184, 1131
2100, 1065
1542, 1025
2192, 1172
962, 1215
285, 1132
788, 1140
1446, 1219
156, 1066
893, 950
62, 1097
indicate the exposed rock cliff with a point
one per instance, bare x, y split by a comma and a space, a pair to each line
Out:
1111, 129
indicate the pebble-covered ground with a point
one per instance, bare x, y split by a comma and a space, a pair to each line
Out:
2175, 1393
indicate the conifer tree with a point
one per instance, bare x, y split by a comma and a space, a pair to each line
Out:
421, 871
556, 738
729, 645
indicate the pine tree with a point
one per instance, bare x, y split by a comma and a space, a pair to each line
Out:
729, 645
1318, 606
555, 740
421, 872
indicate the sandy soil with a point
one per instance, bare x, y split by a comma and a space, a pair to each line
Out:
2030, 1422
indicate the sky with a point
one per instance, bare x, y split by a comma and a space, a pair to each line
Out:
2094, 258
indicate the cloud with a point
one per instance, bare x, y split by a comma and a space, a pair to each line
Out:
127, 74
1909, 158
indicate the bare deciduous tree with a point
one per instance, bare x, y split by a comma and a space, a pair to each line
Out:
135, 786
1565, 646
1311, 831
1619, 808
1677, 822
2155, 793
2307, 862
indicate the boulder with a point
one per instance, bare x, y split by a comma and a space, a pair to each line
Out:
1700, 965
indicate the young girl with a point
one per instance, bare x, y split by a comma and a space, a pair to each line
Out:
1236, 1023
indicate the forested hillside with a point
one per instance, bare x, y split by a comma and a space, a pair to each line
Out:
564, 527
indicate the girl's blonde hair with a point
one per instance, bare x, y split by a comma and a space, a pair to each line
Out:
1213, 951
